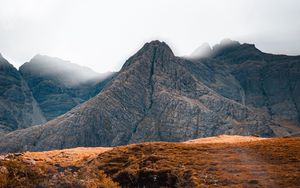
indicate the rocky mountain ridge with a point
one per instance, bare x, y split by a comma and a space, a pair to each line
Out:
267, 82
160, 97
43, 89
58, 85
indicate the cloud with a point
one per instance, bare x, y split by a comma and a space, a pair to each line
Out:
103, 34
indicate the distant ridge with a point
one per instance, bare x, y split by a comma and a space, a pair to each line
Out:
43, 89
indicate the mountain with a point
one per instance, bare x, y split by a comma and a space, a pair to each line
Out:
18, 108
265, 82
60, 85
155, 97
201, 52
42, 89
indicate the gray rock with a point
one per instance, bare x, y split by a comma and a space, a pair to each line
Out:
155, 97
43, 89
269, 83
18, 109
58, 85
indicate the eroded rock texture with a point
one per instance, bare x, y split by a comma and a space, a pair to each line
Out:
18, 109
160, 97
268, 83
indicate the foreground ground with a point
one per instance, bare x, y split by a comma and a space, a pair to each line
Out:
223, 161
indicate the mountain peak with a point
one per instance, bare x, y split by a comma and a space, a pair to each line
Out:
156, 44
202, 51
229, 42
224, 46
47, 59
205, 50
235, 52
5, 63
150, 51
70, 74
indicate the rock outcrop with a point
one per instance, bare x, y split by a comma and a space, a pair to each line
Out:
155, 97
18, 108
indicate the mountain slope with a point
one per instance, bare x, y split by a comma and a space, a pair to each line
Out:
18, 108
270, 83
59, 85
155, 97
43, 89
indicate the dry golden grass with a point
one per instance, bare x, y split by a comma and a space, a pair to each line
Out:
260, 163
233, 139
57, 168
224, 161
67, 156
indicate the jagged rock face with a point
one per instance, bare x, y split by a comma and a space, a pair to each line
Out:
59, 85
18, 109
184, 108
274, 85
269, 83
155, 97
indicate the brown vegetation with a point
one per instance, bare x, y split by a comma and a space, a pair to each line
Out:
58, 168
226, 161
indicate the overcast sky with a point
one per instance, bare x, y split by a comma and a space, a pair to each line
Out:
103, 34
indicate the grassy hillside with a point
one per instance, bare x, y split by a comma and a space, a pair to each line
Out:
224, 161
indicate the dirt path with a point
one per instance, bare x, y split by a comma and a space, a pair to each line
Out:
254, 167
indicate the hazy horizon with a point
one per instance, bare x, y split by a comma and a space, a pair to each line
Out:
102, 35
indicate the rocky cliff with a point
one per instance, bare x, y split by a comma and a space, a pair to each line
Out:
43, 89
155, 96
265, 82
18, 108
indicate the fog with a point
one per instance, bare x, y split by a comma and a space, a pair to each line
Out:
64, 72
103, 34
